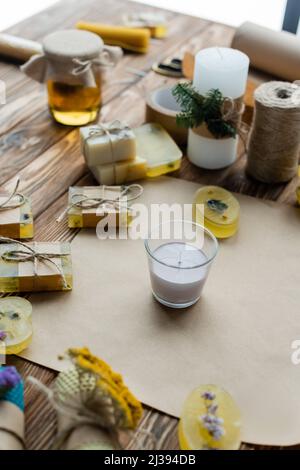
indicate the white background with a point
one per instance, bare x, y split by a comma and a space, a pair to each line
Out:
234, 12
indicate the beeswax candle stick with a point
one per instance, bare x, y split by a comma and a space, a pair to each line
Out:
133, 39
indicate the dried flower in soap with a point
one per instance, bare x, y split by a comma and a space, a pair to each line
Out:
9, 378
210, 421
2, 335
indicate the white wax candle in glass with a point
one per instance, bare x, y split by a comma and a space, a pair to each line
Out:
179, 264
224, 69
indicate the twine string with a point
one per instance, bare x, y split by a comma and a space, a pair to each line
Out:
26, 253
274, 143
19, 198
86, 202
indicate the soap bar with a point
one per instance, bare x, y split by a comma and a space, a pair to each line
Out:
80, 216
18, 222
158, 148
100, 148
49, 272
221, 210
210, 420
121, 172
15, 324
132, 39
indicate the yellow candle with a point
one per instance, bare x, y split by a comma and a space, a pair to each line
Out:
221, 211
133, 39
210, 420
15, 324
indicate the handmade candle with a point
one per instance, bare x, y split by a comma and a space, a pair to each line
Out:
220, 209
28, 267
210, 420
133, 39
178, 268
159, 149
107, 143
226, 70
15, 325
121, 172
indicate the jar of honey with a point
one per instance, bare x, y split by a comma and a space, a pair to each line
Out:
72, 67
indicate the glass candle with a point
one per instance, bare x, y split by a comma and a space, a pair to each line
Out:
224, 69
179, 263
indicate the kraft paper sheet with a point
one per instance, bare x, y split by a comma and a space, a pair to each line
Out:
238, 335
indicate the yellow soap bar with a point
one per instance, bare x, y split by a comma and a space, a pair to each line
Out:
210, 420
132, 39
156, 146
116, 215
221, 211
15, 324
120, 172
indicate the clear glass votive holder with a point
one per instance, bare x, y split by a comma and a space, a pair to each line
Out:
180, 254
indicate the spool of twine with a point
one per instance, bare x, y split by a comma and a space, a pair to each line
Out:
273, 152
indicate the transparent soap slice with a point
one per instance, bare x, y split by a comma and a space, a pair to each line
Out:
15, 324
157, 147
221, 210
210, 420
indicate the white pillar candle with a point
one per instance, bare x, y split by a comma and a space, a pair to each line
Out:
227, 70
178, 273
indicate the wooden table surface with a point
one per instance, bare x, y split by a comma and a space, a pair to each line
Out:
48, 158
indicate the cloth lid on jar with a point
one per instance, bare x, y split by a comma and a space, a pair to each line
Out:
72, 43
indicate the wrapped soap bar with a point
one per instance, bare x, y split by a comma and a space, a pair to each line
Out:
107, 143
38, 266
16, 219
132, 39
121, 172
11, 409
157, 147
15, 324
88, 205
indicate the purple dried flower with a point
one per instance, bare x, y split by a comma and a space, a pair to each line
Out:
2, 335
208, 396
9, 378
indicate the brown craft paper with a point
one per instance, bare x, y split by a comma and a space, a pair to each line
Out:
277, 53
237, 336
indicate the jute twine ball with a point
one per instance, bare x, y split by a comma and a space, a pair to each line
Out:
274, 144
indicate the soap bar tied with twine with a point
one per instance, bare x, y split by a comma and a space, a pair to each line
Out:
19, 252
103, 202
274, 144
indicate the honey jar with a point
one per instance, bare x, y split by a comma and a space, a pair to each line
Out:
72, 67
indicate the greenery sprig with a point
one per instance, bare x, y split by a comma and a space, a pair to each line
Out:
198, 109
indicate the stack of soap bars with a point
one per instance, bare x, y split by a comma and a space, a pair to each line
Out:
118, 155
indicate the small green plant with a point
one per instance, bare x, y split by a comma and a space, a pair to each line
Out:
198, 109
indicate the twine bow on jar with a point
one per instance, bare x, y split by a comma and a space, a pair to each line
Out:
26, 253
9, 202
